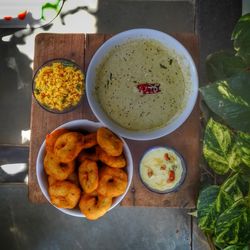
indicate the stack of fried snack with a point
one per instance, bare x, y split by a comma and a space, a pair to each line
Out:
85, 170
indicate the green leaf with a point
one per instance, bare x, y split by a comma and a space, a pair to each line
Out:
233, 189
223, 149
234, 247
236, 186
243, 145
230, 99
234, 158
206, 208
223, 202
217, 145
214, 201
194, 213
233, 225
221, 65
241, 37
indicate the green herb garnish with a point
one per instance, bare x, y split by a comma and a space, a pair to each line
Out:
37, 91
163, 66
79, 86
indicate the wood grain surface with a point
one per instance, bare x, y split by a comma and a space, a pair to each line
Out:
186, 139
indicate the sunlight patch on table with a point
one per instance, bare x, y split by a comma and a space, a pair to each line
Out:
25, 134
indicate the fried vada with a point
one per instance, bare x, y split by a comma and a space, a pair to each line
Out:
68, 146
64, 194
88, 176
90, 140
57, 169
111, 161
109, 142
112, 182
52, 137
94, 205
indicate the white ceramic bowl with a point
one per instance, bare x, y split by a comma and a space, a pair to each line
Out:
91, 127
184, 59
182, 165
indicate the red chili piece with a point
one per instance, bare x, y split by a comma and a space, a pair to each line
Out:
22, 15
148, 88
166, 156
7, 18
150, 172
163, 167
171, 176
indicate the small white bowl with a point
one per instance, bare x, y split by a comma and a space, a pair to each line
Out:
184, 59
91, 127
182, 166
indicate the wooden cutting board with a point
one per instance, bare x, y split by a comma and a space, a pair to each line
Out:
186, 139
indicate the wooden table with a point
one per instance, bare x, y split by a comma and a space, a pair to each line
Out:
186, 139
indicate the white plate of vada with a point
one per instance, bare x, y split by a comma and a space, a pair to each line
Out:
84, 169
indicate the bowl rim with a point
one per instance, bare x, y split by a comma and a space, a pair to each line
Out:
183, 175
40, 169
119, 39
58, 59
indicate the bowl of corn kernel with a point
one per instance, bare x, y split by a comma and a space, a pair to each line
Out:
58, 85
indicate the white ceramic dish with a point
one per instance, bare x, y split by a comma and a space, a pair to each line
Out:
184, 59
67, 63
88, 126
178, 185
